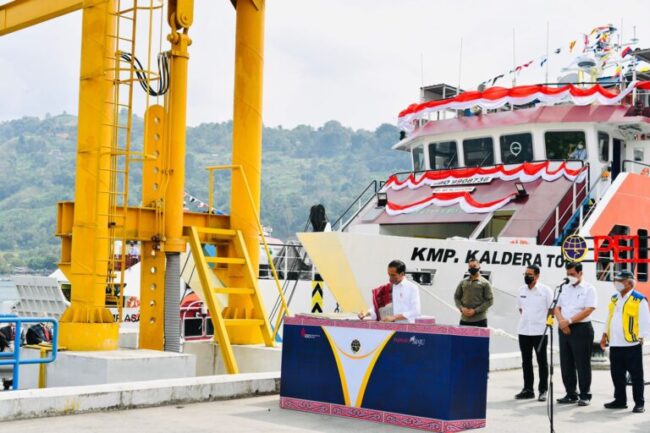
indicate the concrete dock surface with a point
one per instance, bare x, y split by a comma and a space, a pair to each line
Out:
262, 414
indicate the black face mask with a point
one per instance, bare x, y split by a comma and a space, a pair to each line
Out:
528, 279
472, 271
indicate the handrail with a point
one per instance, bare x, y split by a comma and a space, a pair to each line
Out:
554, 212
592, 189
377, 185
256, 211
16, 361
626, 161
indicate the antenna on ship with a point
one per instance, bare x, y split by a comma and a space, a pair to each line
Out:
514, 60
547, 53
460, 65
421, 69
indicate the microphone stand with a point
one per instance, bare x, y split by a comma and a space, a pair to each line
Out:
550, 319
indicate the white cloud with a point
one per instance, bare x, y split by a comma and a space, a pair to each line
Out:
354, 61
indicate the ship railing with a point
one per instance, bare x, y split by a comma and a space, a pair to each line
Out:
370, 191
554, 164
357, 205
598, 189
639, 97
195, 322
13, 358
636, 167
596, 192
568, 207
291, 263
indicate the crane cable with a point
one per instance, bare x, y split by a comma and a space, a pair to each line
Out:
163, 73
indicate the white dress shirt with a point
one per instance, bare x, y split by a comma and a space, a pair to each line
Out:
534, 304
574, 299
406, 300
616, 336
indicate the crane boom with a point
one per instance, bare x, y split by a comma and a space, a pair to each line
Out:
20, 14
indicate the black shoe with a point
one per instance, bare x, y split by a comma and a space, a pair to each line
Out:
584, 402
568, 399
542, 396
525, 394
615, 405
638, 409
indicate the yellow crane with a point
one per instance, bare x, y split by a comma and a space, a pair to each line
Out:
101, 215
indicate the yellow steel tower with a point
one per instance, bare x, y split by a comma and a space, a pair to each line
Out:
87, 324
101, 214
247, 145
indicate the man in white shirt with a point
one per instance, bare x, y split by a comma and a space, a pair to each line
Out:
397, 301
576, 303
628, 326
534, 301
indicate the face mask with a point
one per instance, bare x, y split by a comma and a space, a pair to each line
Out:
619, 286
572, 280
472, 271
580, 146
528, 279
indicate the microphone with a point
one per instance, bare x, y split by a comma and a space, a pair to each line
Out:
566, 280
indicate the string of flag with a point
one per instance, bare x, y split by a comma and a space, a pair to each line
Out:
188, 198
517, 69
598, 42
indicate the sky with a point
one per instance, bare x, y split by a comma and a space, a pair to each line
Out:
356, 61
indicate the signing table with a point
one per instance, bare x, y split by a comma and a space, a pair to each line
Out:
422, 375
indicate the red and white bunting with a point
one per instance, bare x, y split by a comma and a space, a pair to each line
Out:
496, 97
525, 172
463, 199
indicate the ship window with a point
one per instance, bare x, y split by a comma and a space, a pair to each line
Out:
443, 155
516, 148
478, 152
418, 159
603, 146
565, 145
642, 267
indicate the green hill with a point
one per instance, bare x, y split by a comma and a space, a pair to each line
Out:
302, 166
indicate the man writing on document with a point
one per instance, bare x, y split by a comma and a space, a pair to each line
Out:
397, 301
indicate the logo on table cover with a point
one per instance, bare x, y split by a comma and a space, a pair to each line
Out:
355, 345
303, 334
419, 342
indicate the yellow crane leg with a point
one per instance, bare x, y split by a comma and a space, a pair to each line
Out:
180, 16
247, 150
87, 324
176, 126
152, 274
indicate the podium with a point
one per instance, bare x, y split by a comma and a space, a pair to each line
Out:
422, 376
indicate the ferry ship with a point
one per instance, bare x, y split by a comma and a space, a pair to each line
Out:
505, 176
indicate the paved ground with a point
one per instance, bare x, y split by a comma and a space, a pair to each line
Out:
262, 414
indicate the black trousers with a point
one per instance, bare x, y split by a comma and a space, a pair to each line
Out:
575, 355
529, 344
622, 360
479, 324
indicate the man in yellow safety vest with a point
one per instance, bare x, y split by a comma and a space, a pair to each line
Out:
628, 325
